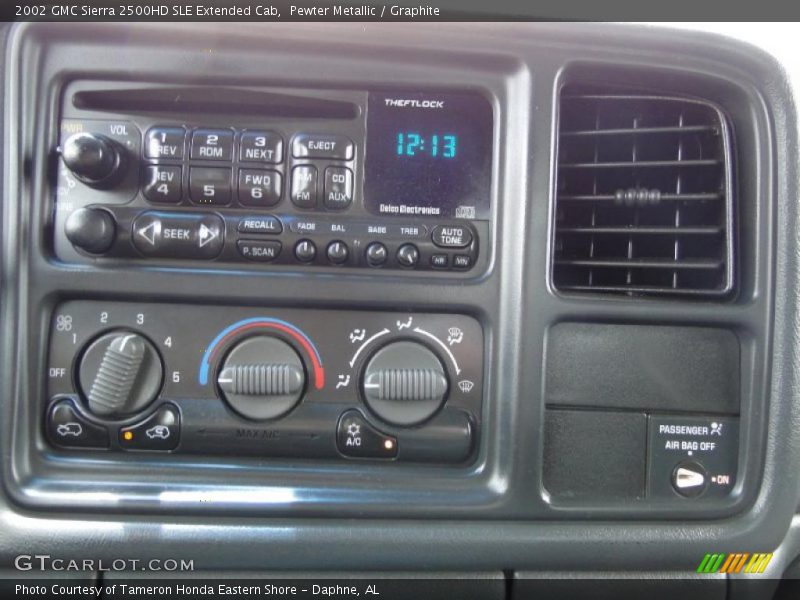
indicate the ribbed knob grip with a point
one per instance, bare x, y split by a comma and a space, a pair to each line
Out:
407, 384
261, 380
116, 374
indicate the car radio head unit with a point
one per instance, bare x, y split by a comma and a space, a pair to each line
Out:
386, 181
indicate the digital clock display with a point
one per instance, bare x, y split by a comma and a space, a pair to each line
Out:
428, 154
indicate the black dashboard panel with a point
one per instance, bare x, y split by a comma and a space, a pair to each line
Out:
491, 468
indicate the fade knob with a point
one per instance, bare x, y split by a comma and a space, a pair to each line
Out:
262, 378
404, 383
93, 158
120, 373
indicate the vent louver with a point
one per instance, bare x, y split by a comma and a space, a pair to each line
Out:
643, 203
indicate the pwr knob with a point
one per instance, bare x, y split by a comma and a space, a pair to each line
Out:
262, 378
93, 158
120, 373
405, 383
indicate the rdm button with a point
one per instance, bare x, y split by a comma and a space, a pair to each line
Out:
178, 235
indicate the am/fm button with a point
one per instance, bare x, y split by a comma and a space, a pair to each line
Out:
451, 236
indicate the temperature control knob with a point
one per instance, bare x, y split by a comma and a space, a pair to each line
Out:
120, 373
262, 378
93, 158
404, 383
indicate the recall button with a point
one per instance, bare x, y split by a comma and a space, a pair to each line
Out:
451, 236
178, 235
260, 250
265, 224
311, 145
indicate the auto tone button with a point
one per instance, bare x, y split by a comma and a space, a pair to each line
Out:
178, 235
451, 236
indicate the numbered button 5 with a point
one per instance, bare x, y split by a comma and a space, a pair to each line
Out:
259, 187
209, 185
162, 184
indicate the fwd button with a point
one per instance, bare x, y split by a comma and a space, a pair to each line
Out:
178, 235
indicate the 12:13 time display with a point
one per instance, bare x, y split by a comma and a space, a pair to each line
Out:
412, 144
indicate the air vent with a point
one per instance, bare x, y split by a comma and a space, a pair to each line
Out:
643, 203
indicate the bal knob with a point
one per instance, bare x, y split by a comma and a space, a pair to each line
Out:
120, 373
93, 158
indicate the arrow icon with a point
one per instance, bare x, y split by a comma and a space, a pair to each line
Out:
206, 235
149, 233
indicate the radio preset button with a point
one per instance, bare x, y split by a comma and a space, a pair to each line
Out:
462, 261
451, 236
376, 254
408, 255
337, 252
178, 235
164, 142
261, 146
304, 186
259, 187
212, 144
305, 251
259, 224
338, 188
311, 145
210, 185
259, 250
162, 184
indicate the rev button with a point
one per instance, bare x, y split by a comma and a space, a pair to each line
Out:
451, 236
178, 235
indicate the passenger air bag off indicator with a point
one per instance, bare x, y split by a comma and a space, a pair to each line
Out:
692, 456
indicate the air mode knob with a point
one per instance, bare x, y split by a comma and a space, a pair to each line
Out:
404, 383
120, 373
262, 378
93, 158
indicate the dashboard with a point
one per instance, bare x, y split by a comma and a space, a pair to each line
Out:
517, 301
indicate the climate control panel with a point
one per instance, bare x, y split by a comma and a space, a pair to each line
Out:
283, 383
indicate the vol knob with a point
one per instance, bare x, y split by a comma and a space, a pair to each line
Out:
262, 378
120, 373
404, 383
93, 158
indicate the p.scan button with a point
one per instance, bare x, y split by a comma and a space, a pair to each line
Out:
178, 235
